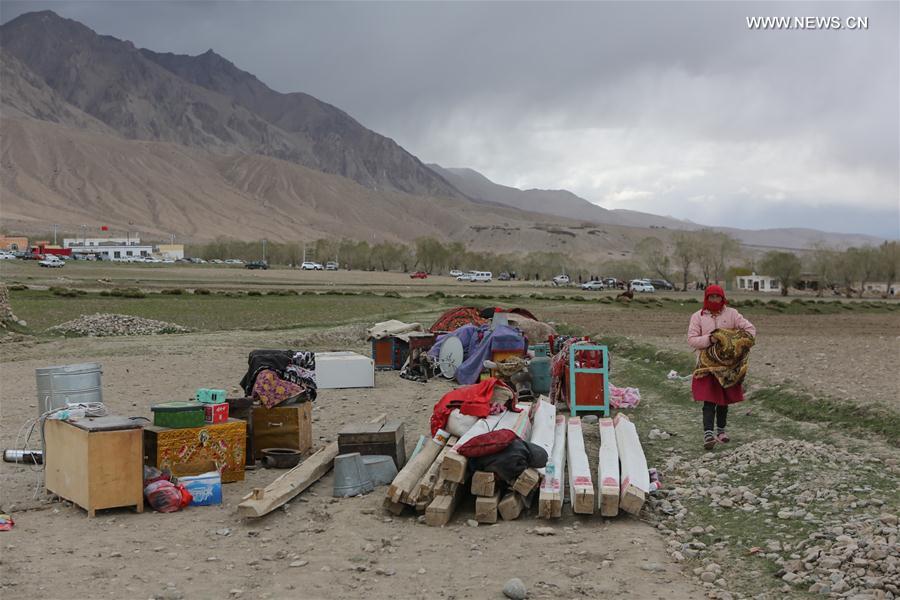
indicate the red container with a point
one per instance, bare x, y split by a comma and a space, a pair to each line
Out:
216, 413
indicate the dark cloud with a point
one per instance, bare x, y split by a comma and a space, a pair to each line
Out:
672, 107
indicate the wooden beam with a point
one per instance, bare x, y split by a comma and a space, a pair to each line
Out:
412, 472
261, 502
635, 480
395, 508
608, 470
527, 481
543, 430
511, 506
441, 509
581, 485
424, 489
551, 495
453, 467
484, 483
486, 508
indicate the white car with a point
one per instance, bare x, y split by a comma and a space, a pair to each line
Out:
455, 273
561, 280
52, 261
465, 277
234, 261
311, 266
642, 286
7, 256
593, 285
483, 276
151, 259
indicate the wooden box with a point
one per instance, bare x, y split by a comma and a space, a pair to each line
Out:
389, 353
373, 439
282, 427
189, 451
94, 469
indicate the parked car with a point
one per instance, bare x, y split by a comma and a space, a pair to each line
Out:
152, 259
661, 284
256, 264
465, 277
52, 261
311, 266
482, 276
504, 276
331, 266
593, 285
7, 256
561, 280
639, 285
418, 275
233, 261
455, 273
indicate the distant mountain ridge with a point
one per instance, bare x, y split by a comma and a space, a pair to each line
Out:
96, 130
206, 102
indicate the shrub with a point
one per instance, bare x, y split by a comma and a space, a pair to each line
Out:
391, 294
105, 293
18, 287
173, 291
65, 292
254, 293
133, 293
436, 295
201, 292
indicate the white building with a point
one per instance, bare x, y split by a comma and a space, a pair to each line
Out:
757, 283
108, 248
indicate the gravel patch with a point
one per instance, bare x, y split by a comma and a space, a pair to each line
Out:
102, 325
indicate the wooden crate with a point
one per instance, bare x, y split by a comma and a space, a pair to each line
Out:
189, 451
389, 353
94, 469
374, 439
282, 427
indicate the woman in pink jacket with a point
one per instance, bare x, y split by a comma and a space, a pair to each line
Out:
715, 315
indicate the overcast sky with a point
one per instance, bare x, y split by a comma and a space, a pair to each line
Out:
673, 108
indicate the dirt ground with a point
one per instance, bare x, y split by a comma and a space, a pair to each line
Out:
852, 356
346, 548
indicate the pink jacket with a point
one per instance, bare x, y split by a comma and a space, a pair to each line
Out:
704, 323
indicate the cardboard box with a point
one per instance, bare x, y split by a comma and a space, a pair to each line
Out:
205, 488
216, 413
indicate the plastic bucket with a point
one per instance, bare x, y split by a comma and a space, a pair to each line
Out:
68, 384
351, 477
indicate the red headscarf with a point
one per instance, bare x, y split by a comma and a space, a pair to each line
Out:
714, 307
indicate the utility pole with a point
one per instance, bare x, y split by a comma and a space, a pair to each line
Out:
84, 236
55, 228
264, 249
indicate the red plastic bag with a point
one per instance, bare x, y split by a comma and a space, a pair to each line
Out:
487, 443
164, 496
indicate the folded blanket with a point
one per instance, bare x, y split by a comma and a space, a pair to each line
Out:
727, 358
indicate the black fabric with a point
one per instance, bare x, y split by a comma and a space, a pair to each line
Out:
714, 412
279, 361
510, 463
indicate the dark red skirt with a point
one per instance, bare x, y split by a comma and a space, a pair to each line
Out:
708, 389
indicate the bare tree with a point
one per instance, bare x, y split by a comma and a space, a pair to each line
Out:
783, 265
865, 263
653, 252
889, 259
685, 253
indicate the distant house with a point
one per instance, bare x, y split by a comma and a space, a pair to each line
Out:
108, 248
757, 283
13, 244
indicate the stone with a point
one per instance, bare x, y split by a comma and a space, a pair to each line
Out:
544, 531
652, 567
574, 572
299, 563
472, 523
590, 419
515, 589
707, 577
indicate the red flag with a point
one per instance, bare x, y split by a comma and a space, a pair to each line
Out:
104, 228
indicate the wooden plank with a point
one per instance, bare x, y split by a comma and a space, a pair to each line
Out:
486, 508
261, 502
484, 484
453, 467
608, 470
544, 429
551, 495
527, 481
635, 480
581, 485
412, 471
441, 509
423, 491
395, 508
511, 506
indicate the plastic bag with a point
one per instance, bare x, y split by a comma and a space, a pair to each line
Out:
164, 496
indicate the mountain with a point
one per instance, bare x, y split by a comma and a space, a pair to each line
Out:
561, 203
206, 102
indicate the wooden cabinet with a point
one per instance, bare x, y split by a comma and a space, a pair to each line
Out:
282, 427
94, 468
